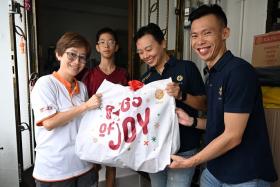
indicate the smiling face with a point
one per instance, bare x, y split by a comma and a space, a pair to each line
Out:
107, 45
208, 37
71, 62
150, 51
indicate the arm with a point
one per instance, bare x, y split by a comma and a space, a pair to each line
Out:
235, 124
194, 93
187, 120
62, 118
197, 102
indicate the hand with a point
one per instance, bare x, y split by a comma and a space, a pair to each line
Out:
183, 117
173, 89
94, 102
181, 162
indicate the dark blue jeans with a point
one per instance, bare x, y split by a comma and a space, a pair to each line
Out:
174, 177
207, 179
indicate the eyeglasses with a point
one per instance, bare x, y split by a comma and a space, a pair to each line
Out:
73, 56
109, 43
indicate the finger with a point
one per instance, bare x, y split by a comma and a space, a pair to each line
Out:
173, 164
179, 109
167, 88
98, 94
175, 84
175, 157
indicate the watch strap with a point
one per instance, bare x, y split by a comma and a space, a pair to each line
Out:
194, 125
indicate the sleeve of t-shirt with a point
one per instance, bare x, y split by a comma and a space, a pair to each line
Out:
44, 100
195, 84
240, 90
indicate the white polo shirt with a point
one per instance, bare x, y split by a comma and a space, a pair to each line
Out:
55, 150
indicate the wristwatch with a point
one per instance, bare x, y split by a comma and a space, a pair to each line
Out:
194, 125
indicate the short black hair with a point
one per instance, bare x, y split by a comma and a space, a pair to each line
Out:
209, 9
109, 31
152, 29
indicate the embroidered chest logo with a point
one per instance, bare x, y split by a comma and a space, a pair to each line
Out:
147, 76
179, 78
220, 93
46, 108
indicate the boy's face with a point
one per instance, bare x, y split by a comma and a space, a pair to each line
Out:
208, 37
106, 46
72, 61
150, 51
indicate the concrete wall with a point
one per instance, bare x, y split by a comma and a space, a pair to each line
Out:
246, 19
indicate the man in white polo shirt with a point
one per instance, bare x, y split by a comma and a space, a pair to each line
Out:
58, 101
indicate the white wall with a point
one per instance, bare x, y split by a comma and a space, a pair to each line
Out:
246, 18
8, 156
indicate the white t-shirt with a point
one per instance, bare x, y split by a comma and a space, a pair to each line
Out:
55, 150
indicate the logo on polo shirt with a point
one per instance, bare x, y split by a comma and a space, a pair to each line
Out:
180, 78
220, 93
46, 108
145, 78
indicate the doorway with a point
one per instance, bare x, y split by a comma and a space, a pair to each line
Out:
85, 17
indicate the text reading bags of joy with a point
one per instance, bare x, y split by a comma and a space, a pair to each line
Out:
135, 129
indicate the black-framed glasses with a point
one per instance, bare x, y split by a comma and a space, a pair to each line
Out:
73, 56
109, 43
